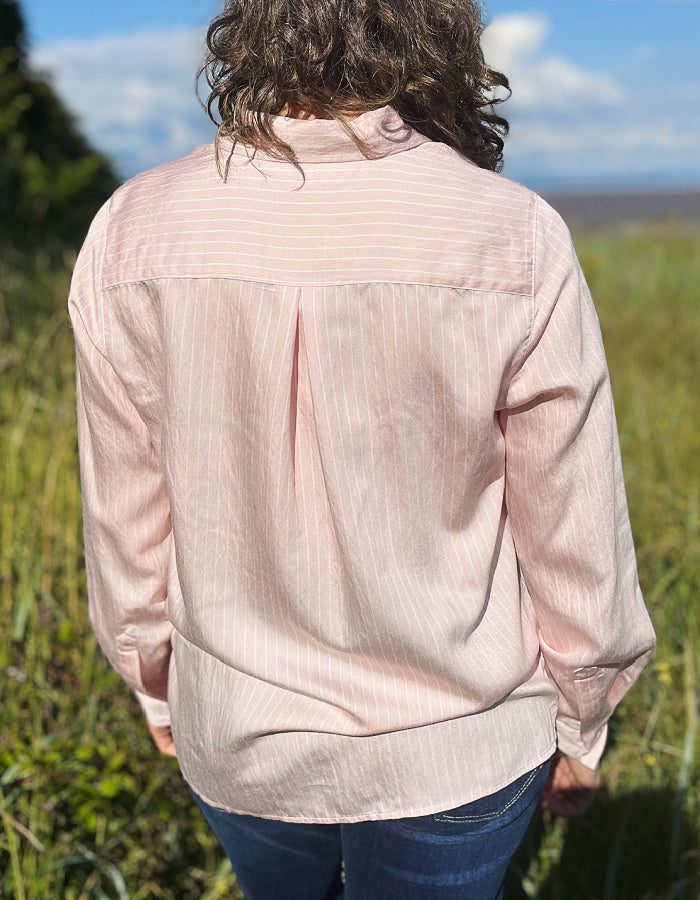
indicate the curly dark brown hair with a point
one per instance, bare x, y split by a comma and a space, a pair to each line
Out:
336, 57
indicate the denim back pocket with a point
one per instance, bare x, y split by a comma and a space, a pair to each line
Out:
490, 811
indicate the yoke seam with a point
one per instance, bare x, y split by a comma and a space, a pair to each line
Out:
271, 282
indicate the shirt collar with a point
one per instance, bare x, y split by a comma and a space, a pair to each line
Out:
323, 140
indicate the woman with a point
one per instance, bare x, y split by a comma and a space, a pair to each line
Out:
355, 523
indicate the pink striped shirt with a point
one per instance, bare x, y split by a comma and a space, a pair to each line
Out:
352, 490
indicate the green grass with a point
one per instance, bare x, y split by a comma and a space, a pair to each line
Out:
87, 808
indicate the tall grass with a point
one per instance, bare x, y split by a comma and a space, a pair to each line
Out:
87, 808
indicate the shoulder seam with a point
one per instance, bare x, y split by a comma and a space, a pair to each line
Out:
100, 280
533, 290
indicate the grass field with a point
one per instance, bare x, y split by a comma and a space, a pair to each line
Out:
90, 811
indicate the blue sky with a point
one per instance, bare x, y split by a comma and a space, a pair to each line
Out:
606, 92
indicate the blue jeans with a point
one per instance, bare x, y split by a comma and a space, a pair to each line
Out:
459, 853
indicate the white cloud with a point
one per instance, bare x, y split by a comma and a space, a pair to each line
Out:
134, 94
572, 123
510, 39
579, 139
514, 45
622, 151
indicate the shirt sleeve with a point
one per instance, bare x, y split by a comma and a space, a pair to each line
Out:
126, 514
566, 502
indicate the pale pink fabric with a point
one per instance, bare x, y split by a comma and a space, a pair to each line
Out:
349, 450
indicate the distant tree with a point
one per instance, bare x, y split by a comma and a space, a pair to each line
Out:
51, 181
12, 31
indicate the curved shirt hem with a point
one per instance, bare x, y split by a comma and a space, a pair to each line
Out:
235, 764
431, 808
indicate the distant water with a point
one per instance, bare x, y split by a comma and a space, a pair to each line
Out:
604, 209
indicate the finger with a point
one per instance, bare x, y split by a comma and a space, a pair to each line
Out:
168, 749
163, 739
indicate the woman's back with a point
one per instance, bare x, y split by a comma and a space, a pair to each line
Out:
325, 376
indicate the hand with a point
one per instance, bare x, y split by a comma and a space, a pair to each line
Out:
571, 786
163, 738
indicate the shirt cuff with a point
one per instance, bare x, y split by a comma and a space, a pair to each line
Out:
157, 711
569, 742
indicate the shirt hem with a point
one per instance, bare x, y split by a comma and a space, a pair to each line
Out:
431, 808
